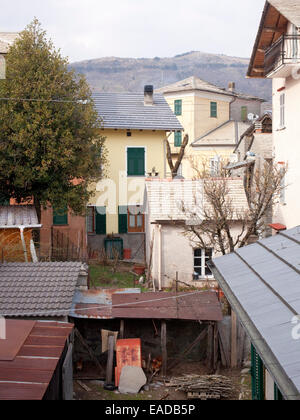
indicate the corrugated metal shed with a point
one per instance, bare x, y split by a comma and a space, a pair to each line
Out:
29, 374
202, 306
18, 216
128, 111
38, 289
262, 284
96, 303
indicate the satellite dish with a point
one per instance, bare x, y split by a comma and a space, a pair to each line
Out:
252, 117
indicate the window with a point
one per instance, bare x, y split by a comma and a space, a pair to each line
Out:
178, 107
136, 161
213, 109
244, 113
96, 220
178, 139
201, 258
136, 220
215, 166
282, 110
60, 217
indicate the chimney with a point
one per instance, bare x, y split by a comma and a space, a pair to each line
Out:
231, 86
148, 95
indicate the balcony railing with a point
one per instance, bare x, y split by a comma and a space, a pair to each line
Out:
285, 51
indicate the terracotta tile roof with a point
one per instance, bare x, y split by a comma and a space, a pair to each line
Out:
38, 289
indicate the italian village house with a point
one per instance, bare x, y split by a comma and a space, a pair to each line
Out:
261, 281
213, 117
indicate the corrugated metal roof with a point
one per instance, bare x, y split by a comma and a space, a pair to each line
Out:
195, 83
16, 216
263, 280
201, 306
96, 303
128, 111
28, 375
38, 289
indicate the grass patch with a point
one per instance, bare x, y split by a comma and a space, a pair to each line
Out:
103, 276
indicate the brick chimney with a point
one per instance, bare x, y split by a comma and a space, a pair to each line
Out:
148, 95
231, 86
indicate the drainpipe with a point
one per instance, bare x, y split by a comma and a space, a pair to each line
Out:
23, 243
159, 259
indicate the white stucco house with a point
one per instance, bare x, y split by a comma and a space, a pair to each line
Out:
170, 205
276, 56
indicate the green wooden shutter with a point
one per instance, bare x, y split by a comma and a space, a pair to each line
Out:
60, 217
277, 394
136, 161
257, 373
213, 109
178, 107
178, 139
100, 220
244, 113
123, 219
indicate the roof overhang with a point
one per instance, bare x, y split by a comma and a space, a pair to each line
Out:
21, 227
272, 26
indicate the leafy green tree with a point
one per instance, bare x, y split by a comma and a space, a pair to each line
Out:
49, 128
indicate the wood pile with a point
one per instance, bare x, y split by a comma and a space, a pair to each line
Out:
204, 387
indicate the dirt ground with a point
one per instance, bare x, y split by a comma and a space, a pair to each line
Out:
158, 391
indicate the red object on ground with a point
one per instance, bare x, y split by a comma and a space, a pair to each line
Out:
278, 226
139, 270
127, 254
129, 353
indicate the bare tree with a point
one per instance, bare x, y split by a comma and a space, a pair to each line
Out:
263, 186
175, 166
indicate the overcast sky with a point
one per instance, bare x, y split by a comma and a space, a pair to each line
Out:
86, 29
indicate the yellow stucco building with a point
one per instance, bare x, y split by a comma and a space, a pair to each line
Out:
135, 127
214, 118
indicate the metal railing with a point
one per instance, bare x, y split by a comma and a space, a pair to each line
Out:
285, 51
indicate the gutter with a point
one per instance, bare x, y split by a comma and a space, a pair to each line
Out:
284, 383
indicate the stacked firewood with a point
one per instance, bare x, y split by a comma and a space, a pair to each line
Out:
204, 387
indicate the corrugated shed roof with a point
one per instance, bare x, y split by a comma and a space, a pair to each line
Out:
38, 289
6, 40
180, 199
128, 111
195, 83
28, 374
96, 303
262, 283
227, 134
15, 216
290, 9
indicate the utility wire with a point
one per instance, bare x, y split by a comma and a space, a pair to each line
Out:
63, 311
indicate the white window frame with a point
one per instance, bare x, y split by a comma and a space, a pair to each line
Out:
203, 275
282, 110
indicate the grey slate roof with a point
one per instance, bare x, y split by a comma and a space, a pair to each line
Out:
37, 290
262, 284
195, 83
127, 111
15, 216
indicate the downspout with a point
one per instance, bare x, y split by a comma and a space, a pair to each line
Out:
23, 243
159, 259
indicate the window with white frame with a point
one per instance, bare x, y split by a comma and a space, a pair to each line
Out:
201, 258
282, 110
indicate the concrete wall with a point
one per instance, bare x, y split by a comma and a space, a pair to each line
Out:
253, 107
287, 148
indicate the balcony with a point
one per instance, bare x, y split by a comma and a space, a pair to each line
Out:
282, 57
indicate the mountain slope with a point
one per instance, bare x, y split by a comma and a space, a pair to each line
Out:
112, 74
